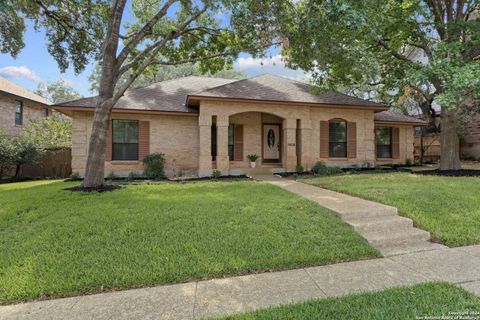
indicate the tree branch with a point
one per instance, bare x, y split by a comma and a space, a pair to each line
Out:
138, 36
394, 53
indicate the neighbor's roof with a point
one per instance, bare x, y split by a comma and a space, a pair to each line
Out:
273, 88
389, 116
169, 96
17, 91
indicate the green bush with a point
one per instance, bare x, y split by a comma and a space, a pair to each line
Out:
154, 166
75, 176
299, 169
112, 176
216, 174
134, 176
252, 157
320, 168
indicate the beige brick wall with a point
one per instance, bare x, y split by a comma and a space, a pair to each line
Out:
31, 111
175, 136
178, 137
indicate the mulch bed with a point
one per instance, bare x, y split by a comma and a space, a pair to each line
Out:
451, 173
103, 188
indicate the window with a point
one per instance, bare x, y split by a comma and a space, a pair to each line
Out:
18, 113
383, 136
337, 132
45, 112
230, 142
125, 140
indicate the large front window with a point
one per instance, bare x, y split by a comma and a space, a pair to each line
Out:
125, 139
383, 137
230, 142
337, 131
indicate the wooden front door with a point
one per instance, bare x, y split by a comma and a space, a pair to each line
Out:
271, 142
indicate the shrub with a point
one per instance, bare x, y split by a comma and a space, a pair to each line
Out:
25, 151
321, 168
134, 175
6, 152
75, 176
299, 169
216, 174
252, 157
408, 162
154, 166
112, 176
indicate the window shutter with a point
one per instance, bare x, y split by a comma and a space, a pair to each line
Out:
351, 139
324, 139
238, 142
108, 150
395, 143
143, 139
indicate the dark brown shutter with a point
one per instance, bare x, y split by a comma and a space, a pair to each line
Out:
395, 143
324, 129
108, 149
238, 142
143, 139
351, 140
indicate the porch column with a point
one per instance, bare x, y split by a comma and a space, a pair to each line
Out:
205, 152
289, 144
223, 161
306, 143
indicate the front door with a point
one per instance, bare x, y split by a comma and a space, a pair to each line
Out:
271, 142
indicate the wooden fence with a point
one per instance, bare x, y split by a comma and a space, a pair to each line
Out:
54, 163
431, 144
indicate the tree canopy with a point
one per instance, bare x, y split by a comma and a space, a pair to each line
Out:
58, 91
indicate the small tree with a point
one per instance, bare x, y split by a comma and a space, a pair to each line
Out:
53, 132
25, 151
6, 152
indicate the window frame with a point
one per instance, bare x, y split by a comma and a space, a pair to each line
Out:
231, 142
19, 120
383, 145
114, 155
338, 142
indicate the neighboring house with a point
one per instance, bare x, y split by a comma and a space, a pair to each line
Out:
18, 106
201, 124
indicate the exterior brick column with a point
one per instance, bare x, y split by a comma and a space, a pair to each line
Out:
205, 152
223, 161
289, 144
306, 143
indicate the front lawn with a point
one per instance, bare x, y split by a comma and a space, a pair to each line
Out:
55, 242
448, 207
423, 301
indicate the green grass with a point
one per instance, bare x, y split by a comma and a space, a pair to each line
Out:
448, 207
414, 302
55, 242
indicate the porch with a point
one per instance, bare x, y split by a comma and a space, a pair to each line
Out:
228, 137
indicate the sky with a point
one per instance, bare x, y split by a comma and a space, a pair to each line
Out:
34, 65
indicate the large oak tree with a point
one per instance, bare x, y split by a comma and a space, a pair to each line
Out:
429, 49
158, 32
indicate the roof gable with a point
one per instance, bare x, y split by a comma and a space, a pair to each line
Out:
275, 88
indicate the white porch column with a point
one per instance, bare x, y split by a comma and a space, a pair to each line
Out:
306, 143
223, 161
289, 144
205, 152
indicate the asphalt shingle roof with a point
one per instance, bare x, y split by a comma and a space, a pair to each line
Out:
11, 88
274, 88
389, 116
167, 96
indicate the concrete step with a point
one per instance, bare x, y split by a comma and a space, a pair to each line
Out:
399, 237
409, 247
359, 212
390, 222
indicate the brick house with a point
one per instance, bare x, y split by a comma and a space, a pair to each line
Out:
201, 124
18, 106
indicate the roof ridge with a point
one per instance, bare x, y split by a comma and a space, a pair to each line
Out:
39, 98
177, 79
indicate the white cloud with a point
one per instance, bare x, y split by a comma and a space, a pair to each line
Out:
19, 73
273, 65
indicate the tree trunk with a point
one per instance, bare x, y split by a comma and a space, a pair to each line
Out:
449, 142
95, 171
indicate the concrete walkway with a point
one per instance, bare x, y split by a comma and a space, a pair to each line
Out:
380, 224
225, 296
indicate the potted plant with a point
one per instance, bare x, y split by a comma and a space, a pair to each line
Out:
253, 158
